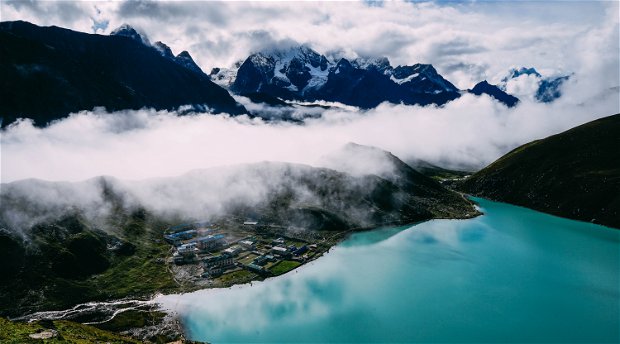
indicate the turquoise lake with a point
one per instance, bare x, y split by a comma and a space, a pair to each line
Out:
512, 275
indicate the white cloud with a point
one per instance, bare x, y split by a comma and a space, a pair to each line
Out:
471, 131
523, 86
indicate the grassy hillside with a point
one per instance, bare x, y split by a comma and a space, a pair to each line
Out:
64, 332
66, 261
574, 174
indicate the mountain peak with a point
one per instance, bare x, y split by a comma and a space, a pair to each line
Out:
127, 30
186, 60
283, 56
184, 54
344, 63
261, 59
482, 85
163, 49
289, 51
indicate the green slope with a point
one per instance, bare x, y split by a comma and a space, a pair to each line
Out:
574, 174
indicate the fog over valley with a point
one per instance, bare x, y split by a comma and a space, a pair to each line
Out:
467, 133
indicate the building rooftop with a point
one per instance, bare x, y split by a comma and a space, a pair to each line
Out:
279, 249
176, 235
210, 238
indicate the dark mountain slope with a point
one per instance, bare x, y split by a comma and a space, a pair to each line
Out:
48, 72
484, 87
574, 174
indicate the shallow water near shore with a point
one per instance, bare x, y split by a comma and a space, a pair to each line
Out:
512, 275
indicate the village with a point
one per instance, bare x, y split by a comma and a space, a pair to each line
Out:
224, 254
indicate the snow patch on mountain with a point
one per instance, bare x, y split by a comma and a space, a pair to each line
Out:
303, 62
380, 64
225, 76
404, 80
319, 78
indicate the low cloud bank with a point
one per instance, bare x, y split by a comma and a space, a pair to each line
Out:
467, 133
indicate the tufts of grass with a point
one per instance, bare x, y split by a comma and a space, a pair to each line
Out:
139, 274
236, 277
132, 319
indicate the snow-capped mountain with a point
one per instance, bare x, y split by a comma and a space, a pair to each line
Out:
300, 73
294, 71
529, 82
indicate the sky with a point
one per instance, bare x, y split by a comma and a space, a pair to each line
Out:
466, 41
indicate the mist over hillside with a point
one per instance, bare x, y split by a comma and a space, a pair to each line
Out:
267, 191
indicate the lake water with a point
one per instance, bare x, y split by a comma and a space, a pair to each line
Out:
512, 275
